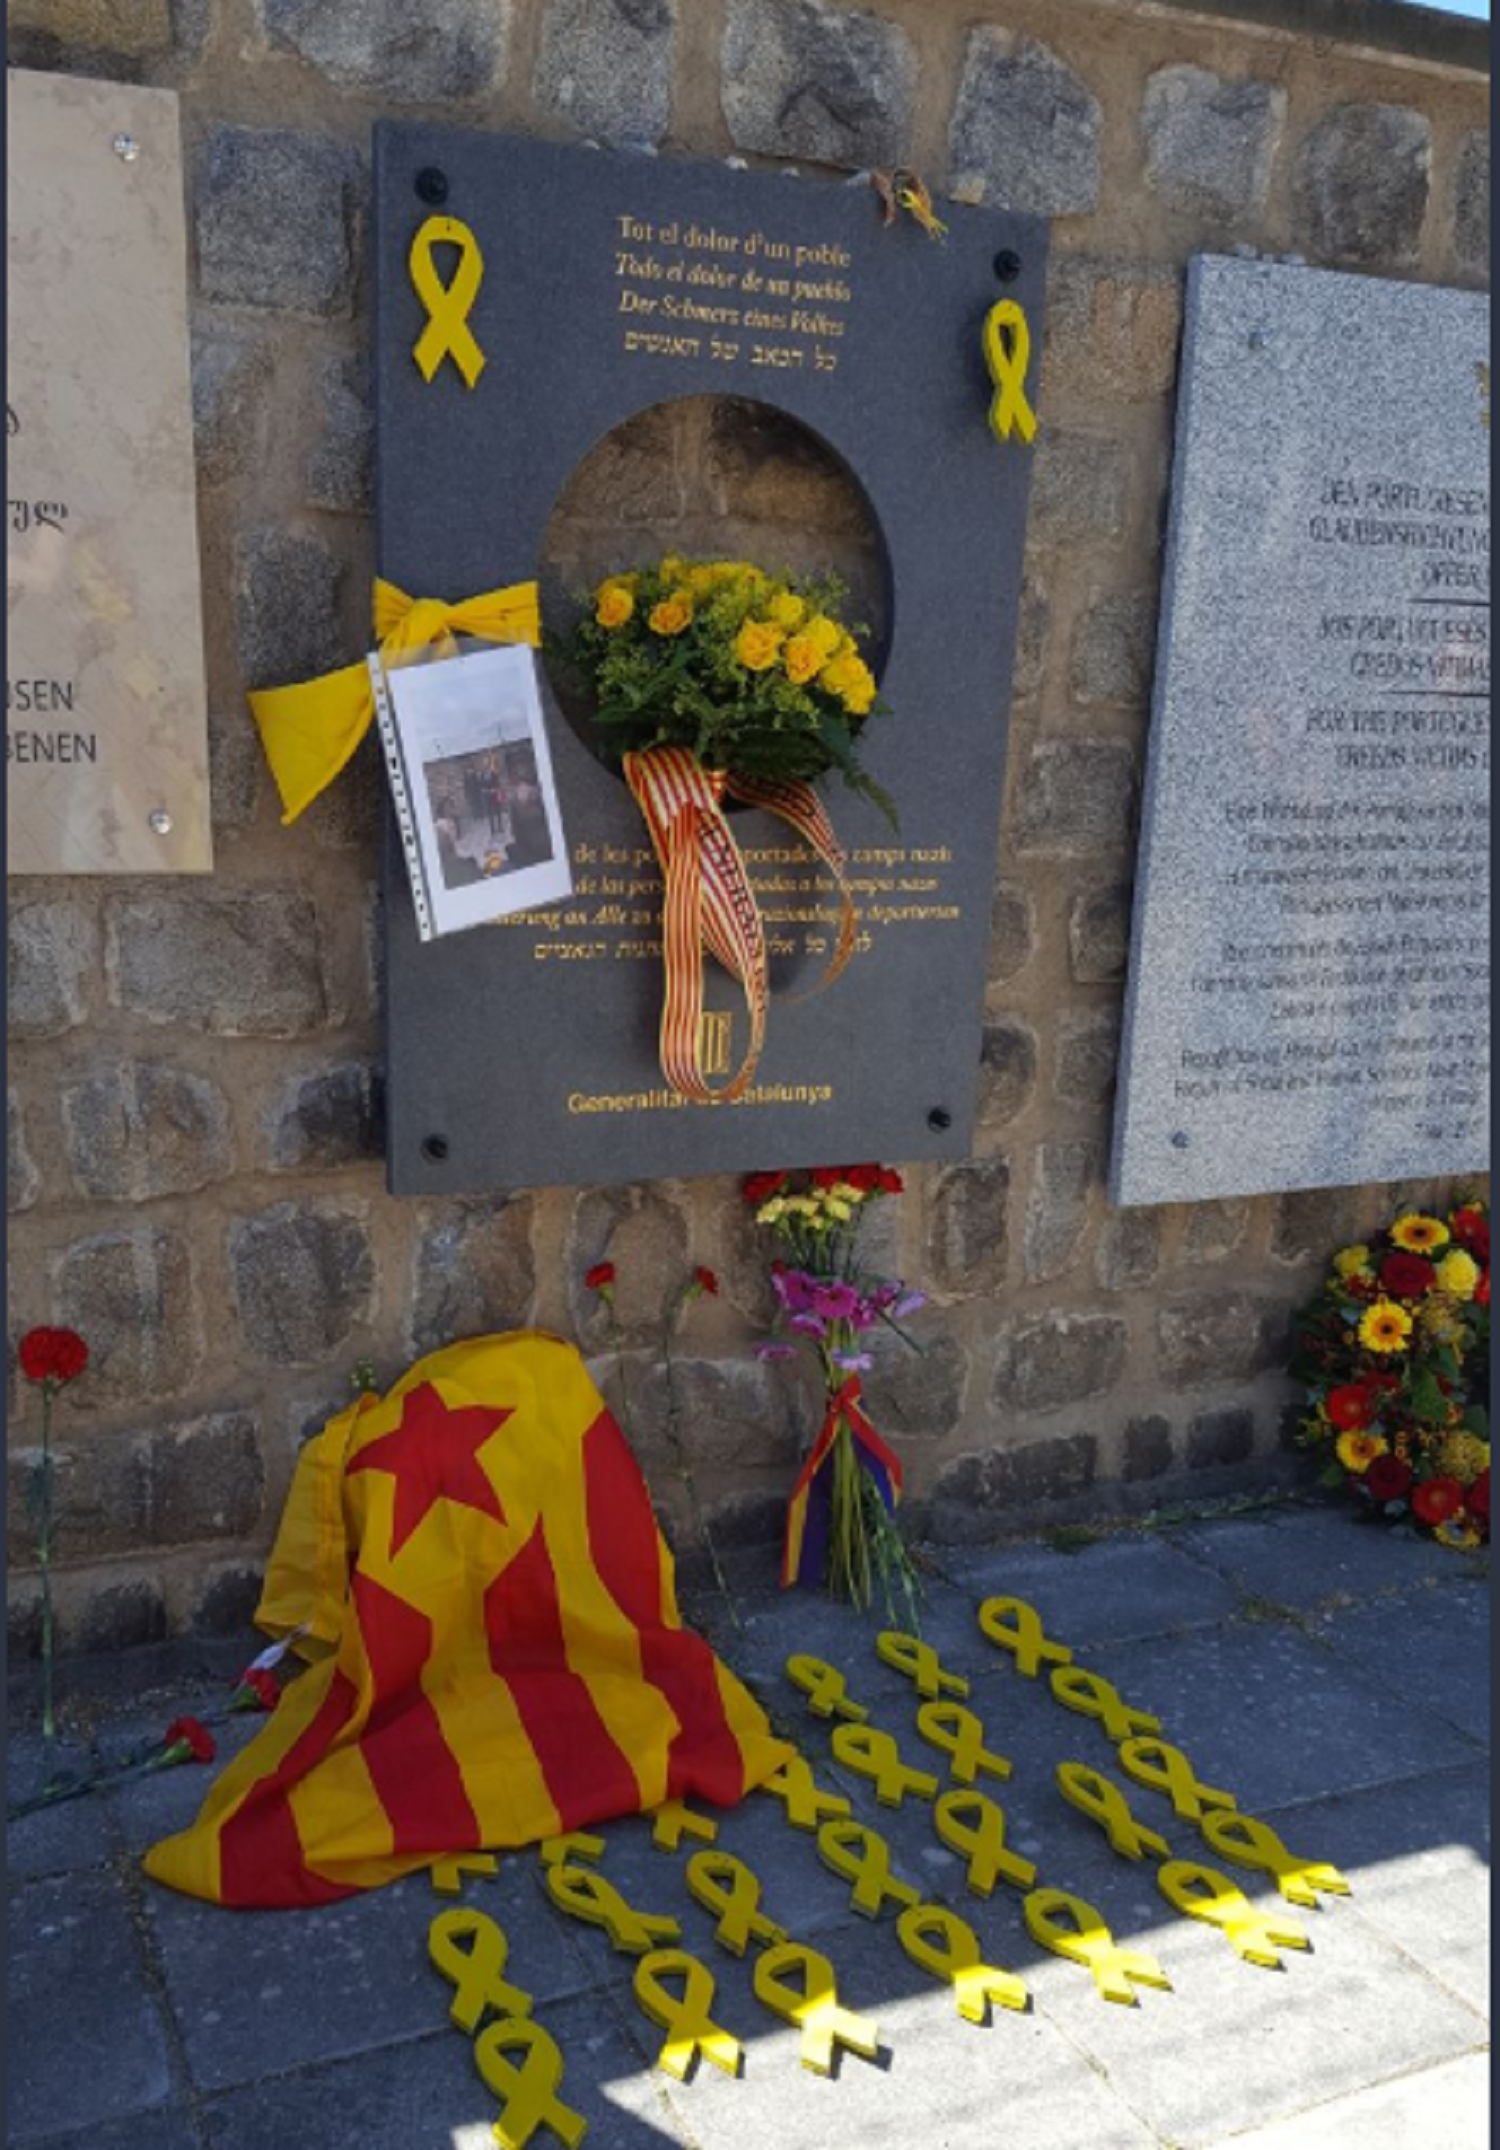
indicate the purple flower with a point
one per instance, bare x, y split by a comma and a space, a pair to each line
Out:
853, 1362
835, 1302
808, 1325
775, 1351
795, 1289
912, 1303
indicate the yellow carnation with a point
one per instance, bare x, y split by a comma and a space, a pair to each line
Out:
837, 1209
771, 1212
671, 615
803, 660
824, 634
1352, 1262
1385, 1326
703, 581
613, 604
1419, 1234
1463, 1456
1458, 1273
673, 567
1358, 1450
758, 645
787, 611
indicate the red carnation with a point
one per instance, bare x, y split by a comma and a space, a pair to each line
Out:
55, 1355
192, 1733
890, 1182
706, 1281
258, 1689
1482, 1290
828, 1176
600, 1277
1478, 1502
1350, 1407
1407, 1276
1388, 1478
760, 1187
864, 1177
1436, 1499
1471, 1228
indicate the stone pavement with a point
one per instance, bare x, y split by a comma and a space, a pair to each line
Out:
1334, 1677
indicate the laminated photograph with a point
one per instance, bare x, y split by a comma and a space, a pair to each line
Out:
466, 749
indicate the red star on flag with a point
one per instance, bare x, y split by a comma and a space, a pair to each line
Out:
433, 1455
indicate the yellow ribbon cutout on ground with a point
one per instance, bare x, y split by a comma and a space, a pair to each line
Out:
474, 1971
723, 1884
807, 1804
585, 1895
1092, 1696
826, 1689
815, 2008
1011, 1624
448, 1874
690, 2029
919, 1661
958, 1733
577, 1844
1105, 1804
983, 1845
447, 334
1244, 1841
675, 1820
311, 731
1204, 1894
1087, 1940
1163, 1768
954, 1955
857, 1854
1009, 410
528, 2093
875, 1755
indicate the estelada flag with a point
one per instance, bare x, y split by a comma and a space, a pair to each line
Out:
498, 1654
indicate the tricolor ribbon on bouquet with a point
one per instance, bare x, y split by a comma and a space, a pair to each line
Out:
810, 1508
310, 732
709, 905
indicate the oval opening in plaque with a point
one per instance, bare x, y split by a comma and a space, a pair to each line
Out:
712, 478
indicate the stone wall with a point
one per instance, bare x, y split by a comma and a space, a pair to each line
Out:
195, 1111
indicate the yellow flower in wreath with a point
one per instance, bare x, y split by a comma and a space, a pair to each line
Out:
1358, 1450
613, 604
1352, 1262
1463, 1456
824, 634
1419, 1234
671, 615
803, 660
1385, 1326
758, 645
787, 611
851, 679
1458, 1274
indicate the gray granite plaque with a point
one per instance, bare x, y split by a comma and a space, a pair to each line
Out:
1308, 992
527, 1052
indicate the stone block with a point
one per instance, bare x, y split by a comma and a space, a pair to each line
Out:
1058, 1360
968, 1236
1113, 330
765, 467
1075, 797
230, 370
1078, 488
1033, 619
1059, 1207
326, 1117
236, 769
275, 213
1215, 1337
51, 949
1088, 1046
1129, 1250
132, 1296
122, 29
303, 1281
728, 1414
401, 51
633, 476
1210, 143
1312, 1225
236, 962
286, 602
1471, 203
1007, 1071
917, 1395
225, 1605
1213, 1230
1219, 1437
1012, 931
606, 68
1113, 650
1099, 933
473, 1271
339, 468
643, 1231
207, 1479
1363, 183
120, 1616
1148, 1448
1025, 129
22, 1181
805, 78
137, 1129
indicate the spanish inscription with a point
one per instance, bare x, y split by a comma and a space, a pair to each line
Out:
1309, 986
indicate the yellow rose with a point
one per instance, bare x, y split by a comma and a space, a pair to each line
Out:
787, 611
671, 615
703, 581
1458, 1273
824, 634
803, 660
851, 679
673, 567
1352, 1262
758, 645
613, 604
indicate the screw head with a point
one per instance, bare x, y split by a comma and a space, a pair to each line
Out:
159, 821
126, 148
939, 1119
1258, 339
1007, 265
1180, 1141
435, 1149
432, 186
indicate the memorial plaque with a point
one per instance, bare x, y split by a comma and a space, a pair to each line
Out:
106, 741
1308, 992
527, 1051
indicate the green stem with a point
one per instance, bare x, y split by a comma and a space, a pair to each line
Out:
44, 1567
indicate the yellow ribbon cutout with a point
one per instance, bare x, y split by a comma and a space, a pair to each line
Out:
1107, 1805
447, 334
674, 1820
954, 1955
868, 1753
690, 2029
815, 2009
807, 1804
470, 1951
448, 1874
1244, 1841
1087, 1940
723, 1884
857, 1854
1011, 1624
826, 1689
1213, 1897
983, 1845
1164, 1768
919, 1661
528, 2094
1009, 410
576, 1845
958, 1733
310, 731
585, 1895
1092, 1696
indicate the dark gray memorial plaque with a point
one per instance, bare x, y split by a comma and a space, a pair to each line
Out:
526, 1052
1308, 993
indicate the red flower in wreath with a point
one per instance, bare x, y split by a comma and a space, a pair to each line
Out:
1407, 1276
890, 1182
1436, 1499
760, 1187
1478, 1502
1351, 1406
55, 1355
1471, 1228
1388, 1478
1482, 1290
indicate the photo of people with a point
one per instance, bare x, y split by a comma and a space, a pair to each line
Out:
488, 813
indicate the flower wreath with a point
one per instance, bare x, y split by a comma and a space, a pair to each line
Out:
1394, 1351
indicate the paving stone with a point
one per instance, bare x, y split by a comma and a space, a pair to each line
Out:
55, 1840
71, 1936
1210, 143
145, 1809
1025, 129
606, 67
1448, 2104
404, 51
1121, 1589
274, 212
1447, 1627
1314, 1559
803, 78
162, 2127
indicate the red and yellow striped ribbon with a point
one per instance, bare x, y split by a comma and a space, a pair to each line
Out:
800, 807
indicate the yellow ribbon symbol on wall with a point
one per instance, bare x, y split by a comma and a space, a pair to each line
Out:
447, 334
1009, 410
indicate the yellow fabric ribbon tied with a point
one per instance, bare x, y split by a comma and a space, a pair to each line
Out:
310, 732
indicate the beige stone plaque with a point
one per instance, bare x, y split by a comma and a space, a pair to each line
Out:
106, 734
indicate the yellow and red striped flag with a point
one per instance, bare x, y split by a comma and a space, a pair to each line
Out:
498, 1654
